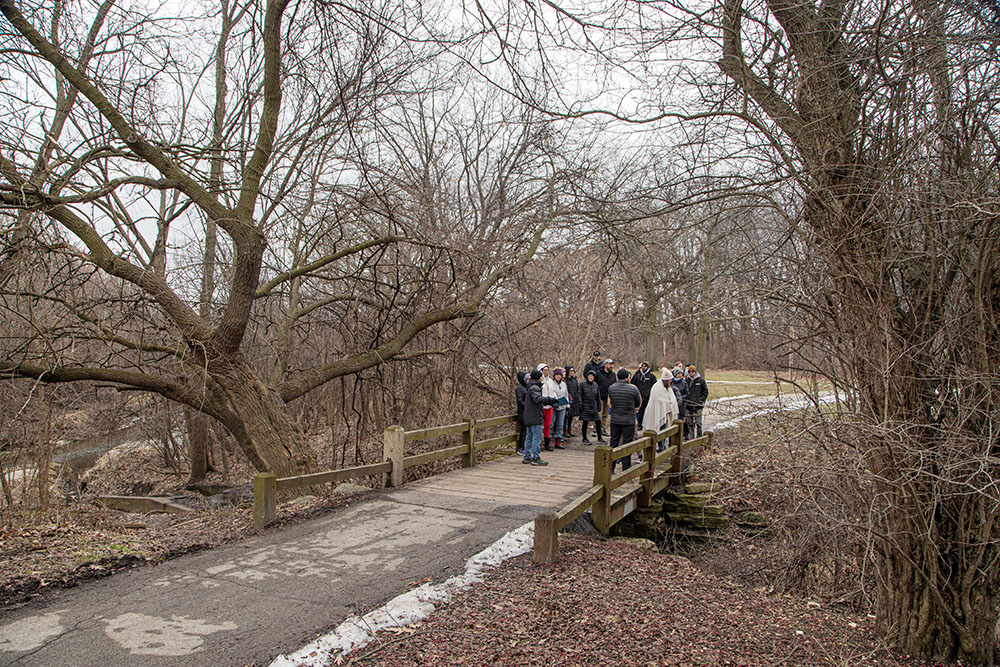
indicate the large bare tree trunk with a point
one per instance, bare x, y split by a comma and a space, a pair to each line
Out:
912, 273
270, 438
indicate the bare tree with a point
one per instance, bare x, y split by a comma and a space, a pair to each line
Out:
165, 342
884, 114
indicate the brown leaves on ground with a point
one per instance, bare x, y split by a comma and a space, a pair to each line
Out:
609, 603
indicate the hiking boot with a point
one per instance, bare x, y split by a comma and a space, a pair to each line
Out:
525, 461
559, 444
585, 441
539, 462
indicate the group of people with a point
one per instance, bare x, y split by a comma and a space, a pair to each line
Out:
617, 402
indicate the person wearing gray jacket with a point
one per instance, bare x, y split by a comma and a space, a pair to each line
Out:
625, 402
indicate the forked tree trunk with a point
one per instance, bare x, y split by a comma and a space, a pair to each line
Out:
269, 437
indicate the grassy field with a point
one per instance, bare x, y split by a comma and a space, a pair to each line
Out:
726, 383
722, 384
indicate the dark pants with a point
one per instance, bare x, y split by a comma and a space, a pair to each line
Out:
692, 425
567, 427
597, 428
521, 428
622, 434
642, 412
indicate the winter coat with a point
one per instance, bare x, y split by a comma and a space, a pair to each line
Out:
661, 409
681, 393
590, 401
591, 366
520, 391
697, 393
625, 400
533, 404
573, 386
644, 383
559, 390
604, 381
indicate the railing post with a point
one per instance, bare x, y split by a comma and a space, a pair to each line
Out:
546, 546
678, 442
392, 451
263, 499
645, 498
602, 477
469, 440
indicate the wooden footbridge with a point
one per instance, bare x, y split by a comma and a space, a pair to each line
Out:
490, 471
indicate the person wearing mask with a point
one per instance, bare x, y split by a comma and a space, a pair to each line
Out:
695, 404
534, 404
643, 381
661, 409
590, 406
625, 401
561, 394
520, 391
573, 387
605, 378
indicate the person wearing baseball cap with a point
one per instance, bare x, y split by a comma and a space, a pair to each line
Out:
595, 364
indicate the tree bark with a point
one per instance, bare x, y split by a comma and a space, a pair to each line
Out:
259, 421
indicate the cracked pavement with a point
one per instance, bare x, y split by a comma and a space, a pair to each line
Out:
246, 602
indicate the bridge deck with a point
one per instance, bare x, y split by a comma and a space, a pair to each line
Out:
570, 472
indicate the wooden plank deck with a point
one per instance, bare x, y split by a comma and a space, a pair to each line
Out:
570, 472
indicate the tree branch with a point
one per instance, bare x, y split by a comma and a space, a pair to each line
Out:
319, 376
268, 286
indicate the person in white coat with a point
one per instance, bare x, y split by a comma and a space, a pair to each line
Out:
662, 408
548, 390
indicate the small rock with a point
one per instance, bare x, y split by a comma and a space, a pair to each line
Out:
639, 542
702, 487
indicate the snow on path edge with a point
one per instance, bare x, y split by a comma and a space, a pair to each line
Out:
409, 607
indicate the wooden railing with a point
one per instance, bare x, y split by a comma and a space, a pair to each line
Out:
655, 472
266, 486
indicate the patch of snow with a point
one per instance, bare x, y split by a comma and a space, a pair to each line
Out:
826, 397
408, 608
727, 399
737, 382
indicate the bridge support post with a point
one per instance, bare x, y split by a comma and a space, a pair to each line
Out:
602, 477
546, 545
677, 440
264, 492
392, 451
469, 440
645, 498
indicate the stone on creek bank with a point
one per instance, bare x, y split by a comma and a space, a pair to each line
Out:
690, 510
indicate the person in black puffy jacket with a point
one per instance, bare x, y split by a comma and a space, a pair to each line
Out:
590, 406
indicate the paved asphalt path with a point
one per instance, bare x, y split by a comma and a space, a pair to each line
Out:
247, 602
